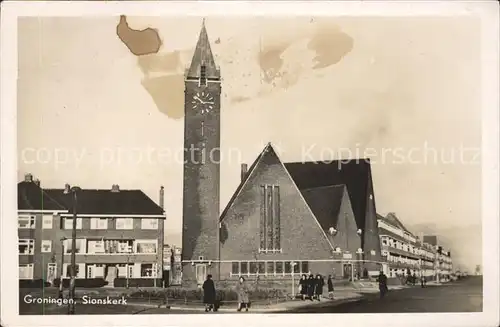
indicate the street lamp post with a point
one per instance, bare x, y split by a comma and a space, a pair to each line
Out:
74, 190
293, 264
62, 268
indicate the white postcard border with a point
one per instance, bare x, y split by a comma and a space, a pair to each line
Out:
488, 11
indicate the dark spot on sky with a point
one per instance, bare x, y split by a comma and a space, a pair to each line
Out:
330, 46
139, 42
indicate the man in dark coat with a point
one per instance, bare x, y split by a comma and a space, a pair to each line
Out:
318, 290
311, 283
382, 283
209, 293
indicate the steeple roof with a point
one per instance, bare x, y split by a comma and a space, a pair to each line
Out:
203, 56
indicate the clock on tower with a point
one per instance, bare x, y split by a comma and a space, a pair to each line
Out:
200, 234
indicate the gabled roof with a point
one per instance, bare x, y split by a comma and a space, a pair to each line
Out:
319, 178
268, 147
325, 203
125, 202
30, 196
355, 174
106, 202
203, 56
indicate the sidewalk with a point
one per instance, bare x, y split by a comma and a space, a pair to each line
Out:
339, 297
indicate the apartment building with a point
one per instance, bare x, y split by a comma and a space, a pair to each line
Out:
119, 234
399, 247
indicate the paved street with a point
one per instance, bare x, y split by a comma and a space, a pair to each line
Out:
460, 296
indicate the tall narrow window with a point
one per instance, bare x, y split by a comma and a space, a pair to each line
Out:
203, 75
270, 219
202, 129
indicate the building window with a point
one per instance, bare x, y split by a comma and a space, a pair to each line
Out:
149, 223
202, 129
80, 246
26, 222
261, 266
26, 246
99, 223
124, 223
145, 246
68, 223
235, 269
304, 267
270, 219
148, 270
270, 268
46, 246
26, 271
253, 267
79, 270
47, 221
244, 268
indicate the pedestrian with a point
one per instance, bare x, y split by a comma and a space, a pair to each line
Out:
330, 287
318, 286
242, 291
209, 294
382, 284
303, 287
422, 281
310, 287
414, 279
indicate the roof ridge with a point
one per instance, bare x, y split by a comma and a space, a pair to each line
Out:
325, 186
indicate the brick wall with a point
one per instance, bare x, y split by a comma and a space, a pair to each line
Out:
201, 181
301, 236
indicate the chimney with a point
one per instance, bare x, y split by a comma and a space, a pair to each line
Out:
244, 170
67, 188
162, 197
37, 182
115, 188
28, 178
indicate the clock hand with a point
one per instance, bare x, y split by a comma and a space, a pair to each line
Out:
196, 98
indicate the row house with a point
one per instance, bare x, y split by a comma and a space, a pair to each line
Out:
119, 234
399, 246
406, 253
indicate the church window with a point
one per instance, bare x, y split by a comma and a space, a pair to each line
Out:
270, 240
244, 268
203, 75
235, 268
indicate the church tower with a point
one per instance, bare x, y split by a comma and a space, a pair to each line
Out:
200, 234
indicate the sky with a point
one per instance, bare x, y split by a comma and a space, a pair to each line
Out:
403, 91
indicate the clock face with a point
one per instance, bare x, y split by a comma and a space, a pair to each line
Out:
203, 101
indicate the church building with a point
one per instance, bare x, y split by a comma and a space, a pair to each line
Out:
283, 219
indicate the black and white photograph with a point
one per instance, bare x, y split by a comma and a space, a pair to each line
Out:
201, 158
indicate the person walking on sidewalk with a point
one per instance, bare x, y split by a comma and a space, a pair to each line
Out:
303, 287
382, 284
422, 281
330, 287
242, 291
318, 289
209, 294
311, 282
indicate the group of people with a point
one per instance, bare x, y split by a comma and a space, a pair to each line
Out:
312, 287
210, 300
